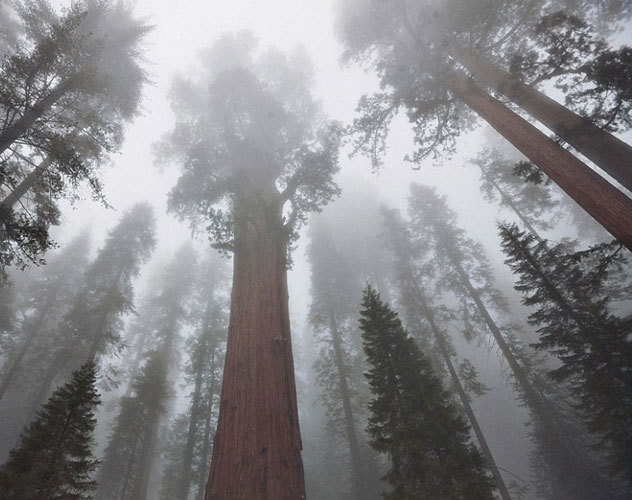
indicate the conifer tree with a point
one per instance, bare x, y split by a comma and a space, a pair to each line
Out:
54, 459
412, 419
93, 325
335, 280
133, 458
250, 141
571, 293
67, 88
465, 271
424, 317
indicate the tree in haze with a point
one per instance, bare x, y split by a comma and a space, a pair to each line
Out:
145, 410
67, 88
519, 186
424, 55
572, 293
91, 328
51, 291
338, 367
413, 275
188, 458
54, 459
256, 158
464, 270
139, 414
412, 419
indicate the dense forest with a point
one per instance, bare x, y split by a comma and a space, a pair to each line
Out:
339, 250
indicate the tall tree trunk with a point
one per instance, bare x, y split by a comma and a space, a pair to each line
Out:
352, 440
23, 187
26, 121
447, 358
604, 202
257, 451
607, 151
206, 447
185, 480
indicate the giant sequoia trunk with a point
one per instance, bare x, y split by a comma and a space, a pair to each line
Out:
604, 202
257, 450
609, 153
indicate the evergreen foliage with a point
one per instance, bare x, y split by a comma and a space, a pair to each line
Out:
412, 419
54, 459
67, 88
571, 293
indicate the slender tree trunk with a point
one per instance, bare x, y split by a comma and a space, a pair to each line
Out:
352, 440
508, 201
553, 433
206, 447
604, 202
26, 121
187, 462
447, 358
32, 335
23, 187
607, 151
257, 451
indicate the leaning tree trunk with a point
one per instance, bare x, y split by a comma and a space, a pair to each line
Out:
23, 187
575, 464
607, 151
603, 201
26, 121
447, 358
352, 439
257, 451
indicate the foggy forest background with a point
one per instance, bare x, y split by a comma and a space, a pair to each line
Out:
139, 143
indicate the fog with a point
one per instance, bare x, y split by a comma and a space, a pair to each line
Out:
425, 232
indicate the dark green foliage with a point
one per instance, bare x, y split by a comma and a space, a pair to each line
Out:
571, 293
67, 87
412, 419
54, 459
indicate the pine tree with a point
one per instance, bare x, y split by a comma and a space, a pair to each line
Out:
54, 459
571, 293
412, 419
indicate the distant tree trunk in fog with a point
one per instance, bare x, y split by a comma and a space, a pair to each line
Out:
409, 283
257, 451
185, 481
607, 151
447, 358
507, 200
603, 201
206, 447
350, 430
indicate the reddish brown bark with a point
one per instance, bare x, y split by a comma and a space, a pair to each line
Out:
256, 454
603, 201
607, 151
